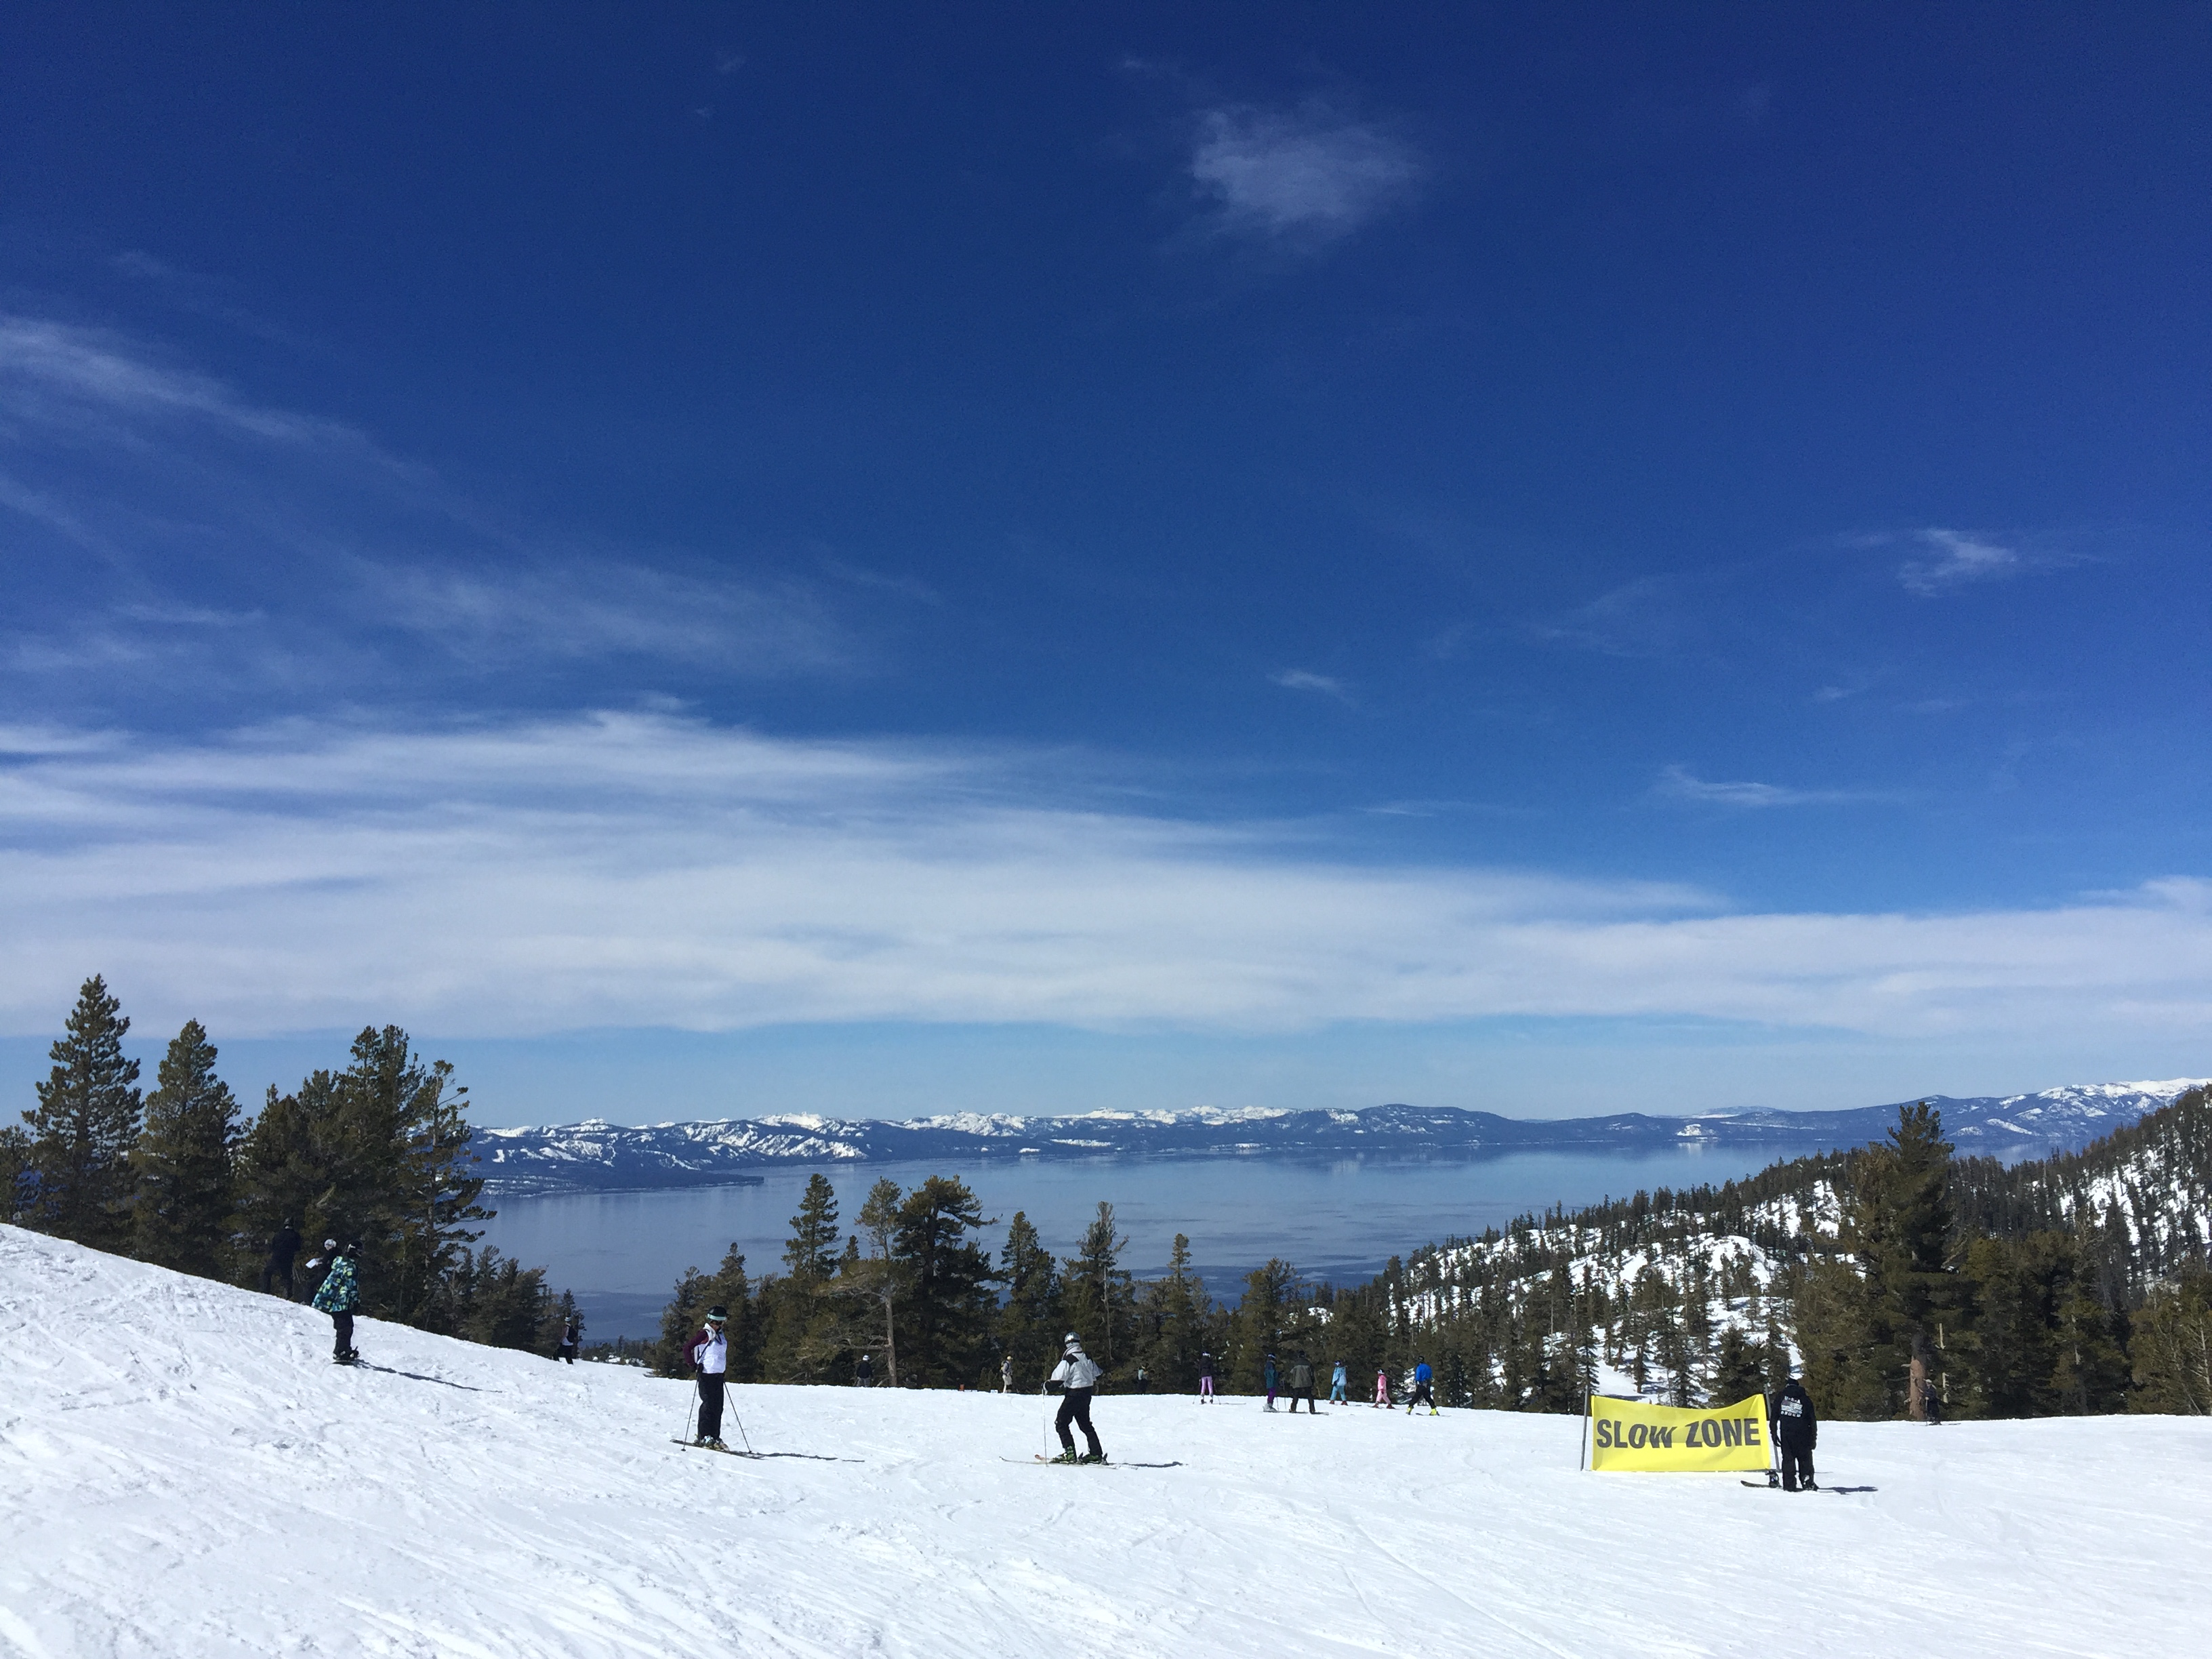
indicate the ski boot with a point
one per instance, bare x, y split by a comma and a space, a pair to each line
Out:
1093, 1457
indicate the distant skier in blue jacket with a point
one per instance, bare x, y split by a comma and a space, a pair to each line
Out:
1424, 1387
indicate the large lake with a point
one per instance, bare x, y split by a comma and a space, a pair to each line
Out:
1336, 1220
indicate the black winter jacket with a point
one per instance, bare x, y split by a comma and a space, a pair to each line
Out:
1796, 1425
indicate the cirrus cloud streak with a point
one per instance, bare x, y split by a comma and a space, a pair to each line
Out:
637, 870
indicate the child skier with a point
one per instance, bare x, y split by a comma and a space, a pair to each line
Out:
1336, 1385
709, 1354
1077, 1377
1382, 1390
1424, 1388
1795, 1430
339, 1296
1205, 1379
1271, 1381
1005, 1373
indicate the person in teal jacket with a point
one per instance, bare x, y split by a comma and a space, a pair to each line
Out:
339, 1296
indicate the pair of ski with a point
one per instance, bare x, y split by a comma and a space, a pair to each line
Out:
726, 1451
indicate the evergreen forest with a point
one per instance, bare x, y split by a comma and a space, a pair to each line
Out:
377, 1153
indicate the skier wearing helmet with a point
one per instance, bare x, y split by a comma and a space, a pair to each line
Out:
709, 1354
1076, 1376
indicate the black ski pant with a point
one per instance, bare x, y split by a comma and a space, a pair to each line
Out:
1422, 1396
272, 1270
1796, 1466
1298, 1395
1076, 1408
710, 1407
340, 1335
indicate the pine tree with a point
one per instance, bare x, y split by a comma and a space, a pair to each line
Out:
1172, 1315
874, 1278
2173, 1347
1032, 1321
948, 1277
1899, 1225
801, 1337
181, 1211
1266, 1319
86, 1121
15, 1171
811, 1254
1097, 1294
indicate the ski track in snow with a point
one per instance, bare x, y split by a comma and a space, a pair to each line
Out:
184, 1473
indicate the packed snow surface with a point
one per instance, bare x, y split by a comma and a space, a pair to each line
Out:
183, 1471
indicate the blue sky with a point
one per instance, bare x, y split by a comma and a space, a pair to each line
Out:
718, 560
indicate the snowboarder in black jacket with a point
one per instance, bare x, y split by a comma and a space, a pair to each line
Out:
1796, 1429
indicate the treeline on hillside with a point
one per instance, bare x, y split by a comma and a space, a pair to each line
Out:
377, 1153
1908, 1280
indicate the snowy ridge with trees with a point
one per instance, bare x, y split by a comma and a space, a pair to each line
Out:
2072, 1285
598, 1155
182, 1471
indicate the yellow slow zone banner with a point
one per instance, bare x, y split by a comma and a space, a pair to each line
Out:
1627, 1434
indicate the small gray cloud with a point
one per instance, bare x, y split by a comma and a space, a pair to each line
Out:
1309, 176
1955, 558
1677, 783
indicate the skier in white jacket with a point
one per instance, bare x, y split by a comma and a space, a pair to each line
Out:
1077, 1377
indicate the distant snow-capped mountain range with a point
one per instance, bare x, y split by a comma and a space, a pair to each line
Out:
596, 1156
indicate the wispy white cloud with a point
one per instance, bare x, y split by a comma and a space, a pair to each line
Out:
1306, 176
645, 870
1955, 559
1300, 679
1677, 783
1650, 616
57, 375
578, 608
357, 561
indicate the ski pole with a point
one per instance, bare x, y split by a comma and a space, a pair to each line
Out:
742, 1435
694, 1407
1044, 1420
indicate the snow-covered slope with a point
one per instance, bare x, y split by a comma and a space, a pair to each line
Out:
598, 1155
182, 1472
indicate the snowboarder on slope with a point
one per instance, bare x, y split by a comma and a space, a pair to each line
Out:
1301, 1385
1076, 1376
283, 1246
1795, 1429
1271, 1381
1205, 1379
709, 1354
339, 1296
1382, 1390
1424, 1388
864, 1374
1336, 1385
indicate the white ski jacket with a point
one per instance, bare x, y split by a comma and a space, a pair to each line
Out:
710, 1354
1076, 1371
